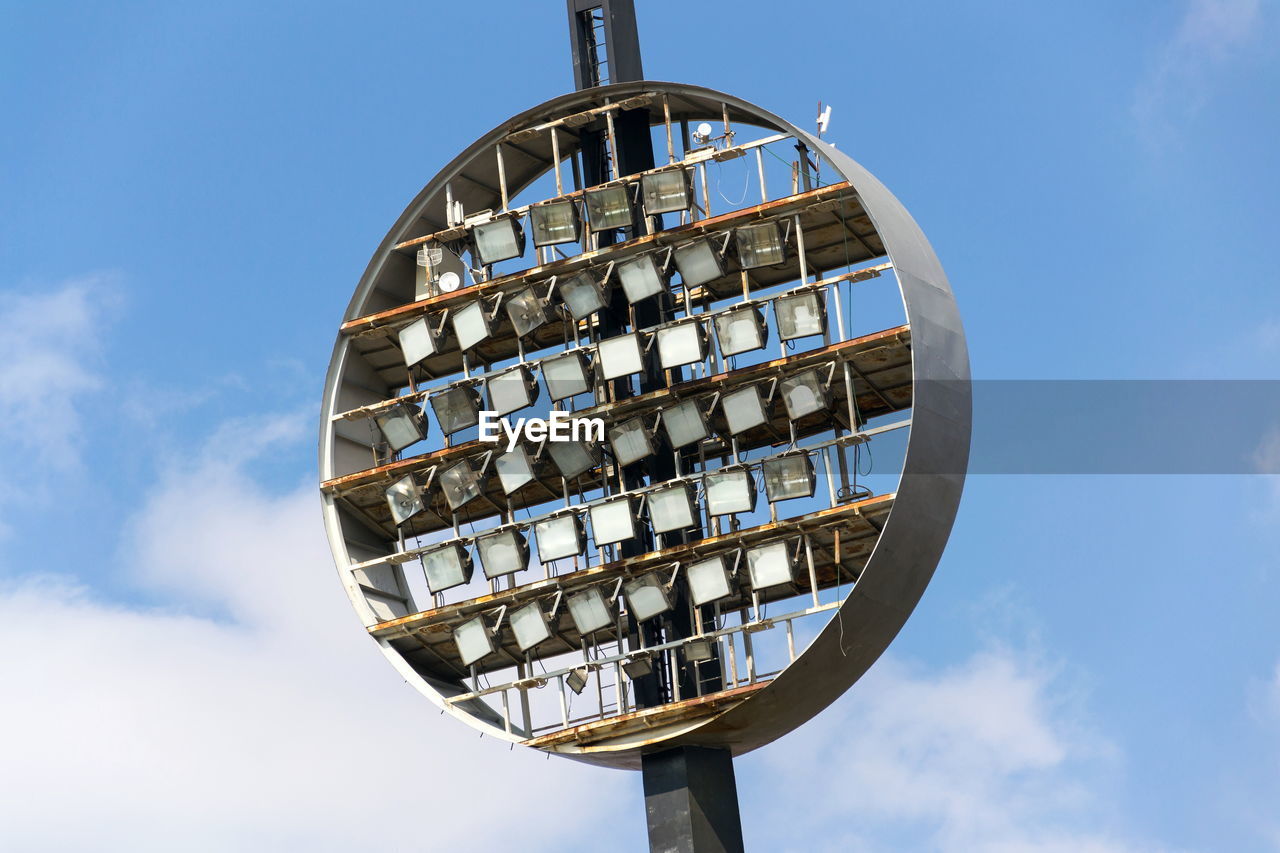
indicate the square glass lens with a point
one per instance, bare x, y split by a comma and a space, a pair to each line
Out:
730, 491
471, 325
613, 521
566, 375
684, 423
608, 207
799, 315
446, 568
558, 537
554, 222
665, 192
404, 500
646, 597
511, 390
744, 409
620, 356
788, 477
681, 343
804, 394
630, 441
641, 278
760, 245
698, 263
741, 330
514, 469
527, 311
589, 610
770, 565
401, 426
672, 509
529, 624
502, 553
460, 484
571, 457
473, 640
582, 295
456, 409
498, 240
708, 581
418, 341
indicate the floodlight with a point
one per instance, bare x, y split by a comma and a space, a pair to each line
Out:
672, 508
608, 207
741, 330
499, 239
698, 263
744, 409
684, 423
613, 521
620, 356
638, 666
471, 324
514, 469
457, 409
473, 640
555, 222
589, 610
666, 192
402, 425
730, 490
696, 651
630, 441
527, 311
804, 394
760, 245
503, 553
800, 315
770, 565
418, 341
582, 295
708, 581
566, 375
558, 537
681, 343
789, 476
512, 390
576, 680
404, 499
529, 624
446, 567
641, 278
646, 596
571, 457
460, 484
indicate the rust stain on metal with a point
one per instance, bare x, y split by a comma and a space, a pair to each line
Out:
466, 294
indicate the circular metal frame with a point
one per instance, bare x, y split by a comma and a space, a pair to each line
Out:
912, 540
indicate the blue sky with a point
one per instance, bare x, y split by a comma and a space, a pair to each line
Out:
189, 196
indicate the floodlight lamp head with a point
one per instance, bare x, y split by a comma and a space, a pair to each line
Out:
499, 239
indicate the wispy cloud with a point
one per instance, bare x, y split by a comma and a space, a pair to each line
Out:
1179, 81
989, 755
275, 725
50, 353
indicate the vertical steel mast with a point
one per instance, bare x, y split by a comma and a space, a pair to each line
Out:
691, 797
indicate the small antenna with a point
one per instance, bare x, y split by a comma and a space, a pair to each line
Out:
824, 118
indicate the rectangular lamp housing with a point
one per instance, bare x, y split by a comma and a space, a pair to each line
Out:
730, 490
559, 537
446, 567
760, 245
503, 553
555, 222
499, 239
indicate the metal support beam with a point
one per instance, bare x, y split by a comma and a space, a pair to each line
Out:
691, 801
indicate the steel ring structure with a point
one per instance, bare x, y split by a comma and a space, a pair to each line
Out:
699, 618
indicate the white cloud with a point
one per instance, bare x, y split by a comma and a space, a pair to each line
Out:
49, 362
986, 756
1179, 81
271, 724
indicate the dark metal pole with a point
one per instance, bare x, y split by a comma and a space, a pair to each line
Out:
691, 798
